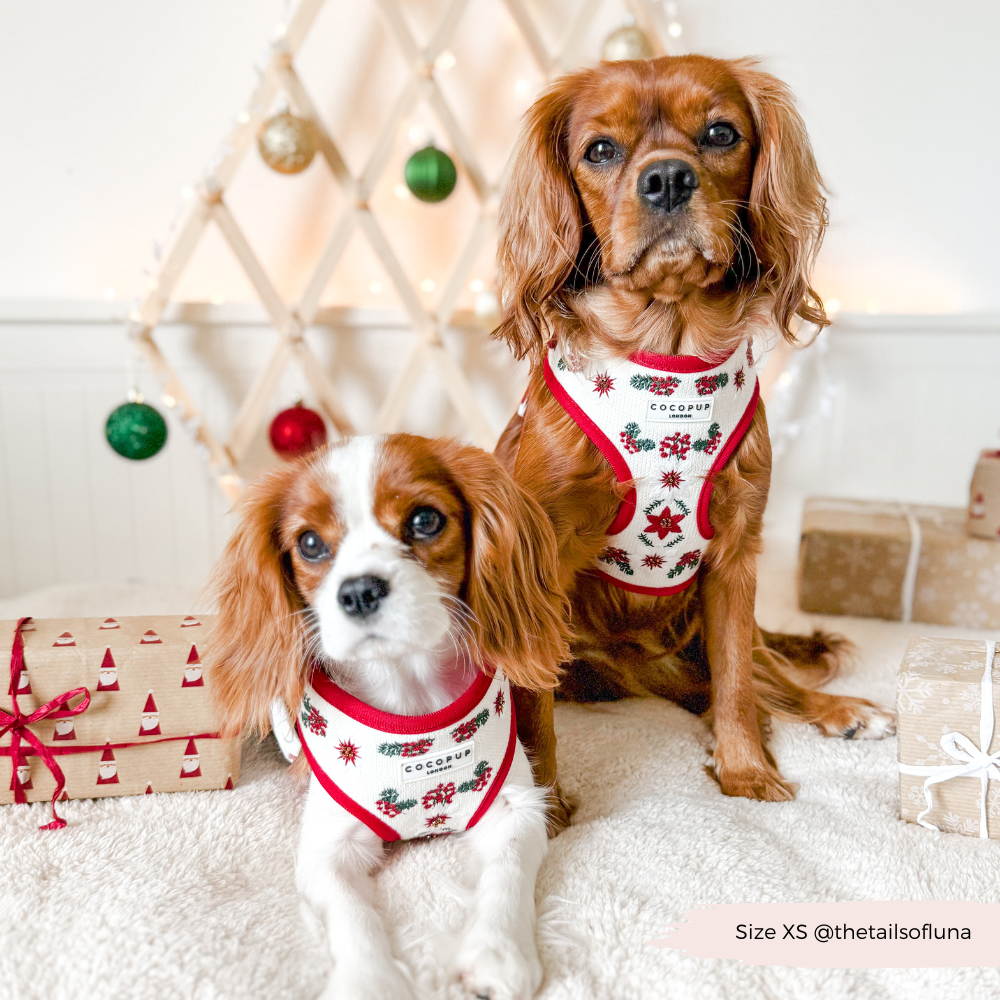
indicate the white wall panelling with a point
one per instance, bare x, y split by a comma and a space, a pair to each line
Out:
71, 510
910, 400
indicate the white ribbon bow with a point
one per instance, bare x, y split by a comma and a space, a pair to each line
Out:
975, 762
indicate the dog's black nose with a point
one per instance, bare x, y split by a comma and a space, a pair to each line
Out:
667, 184
361, 595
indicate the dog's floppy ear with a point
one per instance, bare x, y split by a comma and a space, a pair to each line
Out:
519, 611
787, 210
256, 647
540, 222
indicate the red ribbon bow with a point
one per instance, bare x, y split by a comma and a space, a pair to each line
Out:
17, 725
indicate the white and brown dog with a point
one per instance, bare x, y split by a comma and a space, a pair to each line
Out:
385, 590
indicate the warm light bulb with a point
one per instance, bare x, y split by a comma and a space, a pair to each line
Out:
109, 294
217, 298
402, 191
873, 308
375, 287
187, 192
675, 29
243, 117
785, 378
522, 88
428, 285
168, 401
832, 307
446, 60
476, 285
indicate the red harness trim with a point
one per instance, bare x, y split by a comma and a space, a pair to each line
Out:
386, 722
377, 826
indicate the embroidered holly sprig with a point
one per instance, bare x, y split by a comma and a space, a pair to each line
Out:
311, 718
685, 562
481, 779
707, 384
658, 385
603, 384
631, 441
468, 729
709, 444
675, 445
440, 796
415, 748
389, 803
617, 557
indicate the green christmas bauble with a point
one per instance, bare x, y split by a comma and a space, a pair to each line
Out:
136, 431
430, 174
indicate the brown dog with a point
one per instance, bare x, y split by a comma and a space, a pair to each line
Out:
666, 214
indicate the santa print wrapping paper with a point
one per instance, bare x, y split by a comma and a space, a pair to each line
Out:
984, 497
947, 724
904, 562
147, 687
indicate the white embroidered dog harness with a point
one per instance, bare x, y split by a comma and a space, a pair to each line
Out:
408, 776
669, 423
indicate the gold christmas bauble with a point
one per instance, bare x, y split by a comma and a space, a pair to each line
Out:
287, 143
627, 43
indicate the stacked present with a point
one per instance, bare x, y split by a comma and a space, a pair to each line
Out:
947, 702
984, 497
99, 706
905, 562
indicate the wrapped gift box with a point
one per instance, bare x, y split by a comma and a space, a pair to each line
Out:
947, 704
984, 497
149, 725
905, 562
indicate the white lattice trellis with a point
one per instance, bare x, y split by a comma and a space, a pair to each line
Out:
292, 319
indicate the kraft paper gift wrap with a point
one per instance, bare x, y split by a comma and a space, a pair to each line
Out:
948, 704
147, 687
905, 562
984, 497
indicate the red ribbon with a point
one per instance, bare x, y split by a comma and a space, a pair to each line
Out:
17, 725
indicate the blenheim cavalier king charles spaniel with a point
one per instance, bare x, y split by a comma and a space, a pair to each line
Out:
656, 238
385, 591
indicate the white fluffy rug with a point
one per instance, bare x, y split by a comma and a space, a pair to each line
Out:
190, 895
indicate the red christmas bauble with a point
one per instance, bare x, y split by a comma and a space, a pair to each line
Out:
297, 431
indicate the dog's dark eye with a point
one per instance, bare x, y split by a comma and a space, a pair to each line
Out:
424, 523
312, 547
601, 151
719, 135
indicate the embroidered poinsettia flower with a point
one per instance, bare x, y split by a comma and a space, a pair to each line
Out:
439, 820
654, 561
498, 702
671, 479
664, 524
348, 752
740, 379
603, 384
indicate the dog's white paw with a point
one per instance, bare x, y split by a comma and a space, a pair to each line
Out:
495, 967
872, 723
386, 983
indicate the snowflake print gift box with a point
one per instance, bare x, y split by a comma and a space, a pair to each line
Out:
948, 726
904, 562
116, 706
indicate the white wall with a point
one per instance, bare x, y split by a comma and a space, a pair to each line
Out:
111, 106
